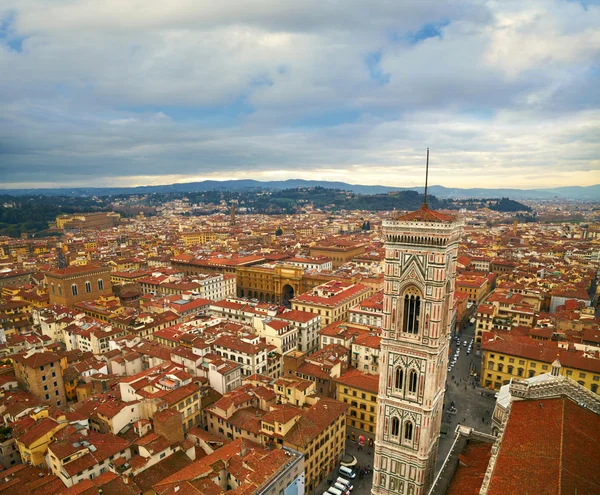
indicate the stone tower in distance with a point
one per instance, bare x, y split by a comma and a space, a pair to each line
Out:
420, 269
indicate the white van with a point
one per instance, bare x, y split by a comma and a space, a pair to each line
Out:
344, 482
346, 471
342, 488
334, 491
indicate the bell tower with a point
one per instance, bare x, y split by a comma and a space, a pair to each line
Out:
420, 269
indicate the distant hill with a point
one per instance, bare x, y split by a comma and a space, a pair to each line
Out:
588, 193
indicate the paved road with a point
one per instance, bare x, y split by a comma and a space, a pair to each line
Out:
474, 404
474, 408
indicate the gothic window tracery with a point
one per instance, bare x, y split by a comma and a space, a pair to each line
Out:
395, 430
412, 382
412, 311
399, 379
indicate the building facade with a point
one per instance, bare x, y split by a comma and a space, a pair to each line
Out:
420, 272
67, 286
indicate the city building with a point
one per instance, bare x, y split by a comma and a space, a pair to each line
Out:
88, 220
74, 284
338, 251
40, 373
506, 357
421, 251
359, 390
332, 300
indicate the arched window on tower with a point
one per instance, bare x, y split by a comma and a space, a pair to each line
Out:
395, 427
412, 382
408, 431
74, 289
399, 379
412, 311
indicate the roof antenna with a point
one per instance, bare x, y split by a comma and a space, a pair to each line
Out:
426, 175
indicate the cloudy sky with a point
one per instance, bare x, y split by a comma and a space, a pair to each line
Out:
132, 92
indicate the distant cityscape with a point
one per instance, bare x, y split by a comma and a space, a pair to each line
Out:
298, 341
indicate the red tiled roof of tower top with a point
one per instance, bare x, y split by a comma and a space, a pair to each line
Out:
424, 214
357, 379
549, 446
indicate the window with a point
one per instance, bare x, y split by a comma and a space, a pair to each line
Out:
88, 287
520, 372
509, 369
490, 365
395, 426
412, 310
408, 431
100, 284
500, 367
60, 290
594, 388
398, 379
74, 289
412, 382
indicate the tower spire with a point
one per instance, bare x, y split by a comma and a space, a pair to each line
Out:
426, 176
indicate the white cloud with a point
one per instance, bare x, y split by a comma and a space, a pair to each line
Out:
124, 91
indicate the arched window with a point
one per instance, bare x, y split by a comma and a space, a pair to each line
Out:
408, 431
510, 369
74, 289
52, 287
395, 426
399, 379
100, 284
88, 286
412, 311
60, 290
520, 371
594, 388
412, 382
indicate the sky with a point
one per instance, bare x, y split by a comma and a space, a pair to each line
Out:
134, 92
